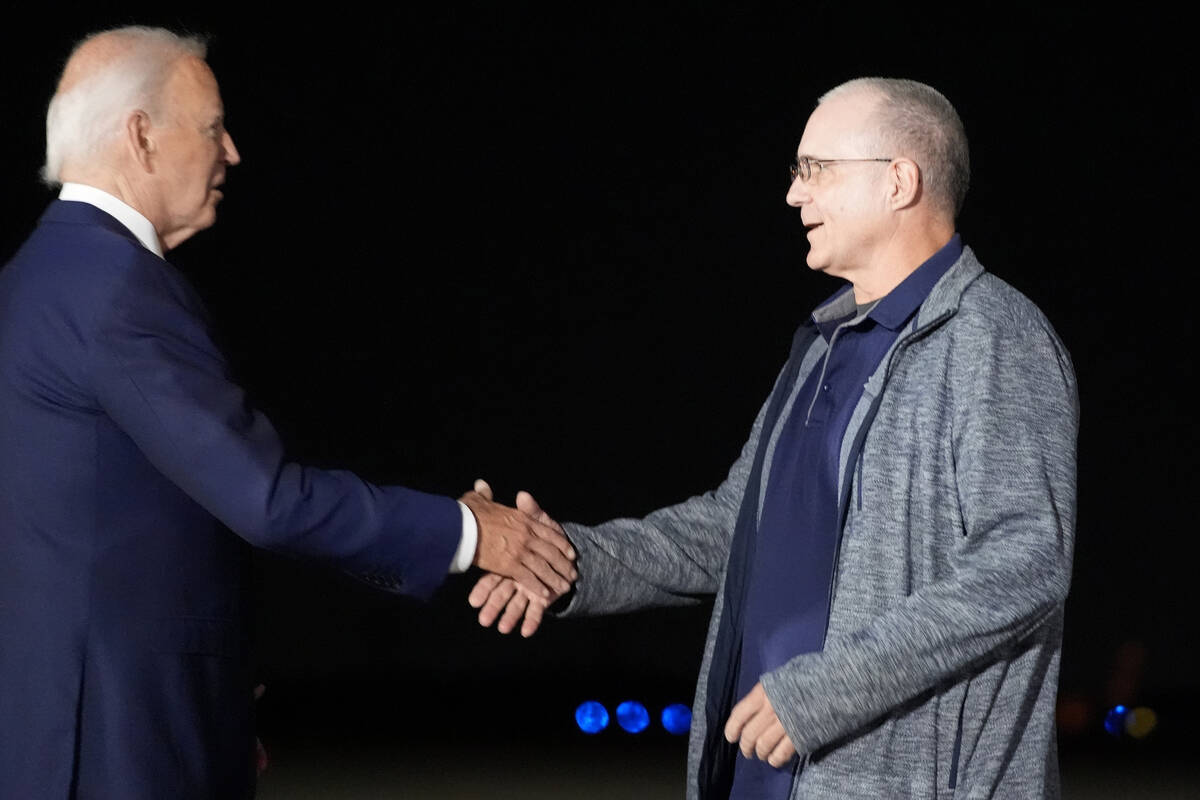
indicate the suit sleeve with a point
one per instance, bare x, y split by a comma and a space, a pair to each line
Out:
671, 557
1015, 422
158, 375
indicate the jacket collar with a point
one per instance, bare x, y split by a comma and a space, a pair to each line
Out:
73, 212
946, 294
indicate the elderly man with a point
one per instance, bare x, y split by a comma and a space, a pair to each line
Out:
127, 456
891, 552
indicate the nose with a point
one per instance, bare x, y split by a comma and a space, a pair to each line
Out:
798, 193
229, 150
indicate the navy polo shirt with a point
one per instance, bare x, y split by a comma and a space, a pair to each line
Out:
788, 594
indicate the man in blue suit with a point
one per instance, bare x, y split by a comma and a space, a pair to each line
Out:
134, 476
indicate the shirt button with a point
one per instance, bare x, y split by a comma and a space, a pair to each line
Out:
826, 387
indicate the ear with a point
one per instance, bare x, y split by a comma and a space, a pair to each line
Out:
904, 183
139, 140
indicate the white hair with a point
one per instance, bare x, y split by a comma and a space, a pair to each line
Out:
83, 119
919, 122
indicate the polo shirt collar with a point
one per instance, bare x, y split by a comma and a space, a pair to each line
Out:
895, 308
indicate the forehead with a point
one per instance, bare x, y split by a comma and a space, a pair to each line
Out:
836, 127
192, 87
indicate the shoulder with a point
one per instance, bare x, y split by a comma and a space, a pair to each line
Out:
95, 275
81, 254
990, 310
999, 337
74, 270
993, 301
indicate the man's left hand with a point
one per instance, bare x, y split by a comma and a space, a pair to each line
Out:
755, 726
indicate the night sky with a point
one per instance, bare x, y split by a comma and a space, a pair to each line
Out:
548, 245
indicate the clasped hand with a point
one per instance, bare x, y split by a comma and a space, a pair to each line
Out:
497, 596
528, 548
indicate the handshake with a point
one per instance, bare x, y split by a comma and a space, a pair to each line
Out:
527, 557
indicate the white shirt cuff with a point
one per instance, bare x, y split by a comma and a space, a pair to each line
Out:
465, 553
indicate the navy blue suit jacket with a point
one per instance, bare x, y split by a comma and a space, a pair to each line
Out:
127, 457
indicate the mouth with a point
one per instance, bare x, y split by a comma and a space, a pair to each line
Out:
809, 227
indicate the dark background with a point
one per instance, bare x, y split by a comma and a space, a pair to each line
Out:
547, 244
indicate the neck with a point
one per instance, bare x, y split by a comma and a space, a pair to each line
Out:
899, 258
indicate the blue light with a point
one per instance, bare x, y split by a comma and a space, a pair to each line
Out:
591, 717
633, 716
1114, 720
677, 718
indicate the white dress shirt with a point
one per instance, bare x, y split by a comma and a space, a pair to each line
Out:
143, 229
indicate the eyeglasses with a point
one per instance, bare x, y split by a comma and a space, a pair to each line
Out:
804, 167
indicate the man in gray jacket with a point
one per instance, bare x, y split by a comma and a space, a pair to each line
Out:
892, 550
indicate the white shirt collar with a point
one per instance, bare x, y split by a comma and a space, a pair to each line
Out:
124, 213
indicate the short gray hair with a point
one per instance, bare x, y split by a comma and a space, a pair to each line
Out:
80, 120
919, 122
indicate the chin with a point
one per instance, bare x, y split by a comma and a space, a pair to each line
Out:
206, 219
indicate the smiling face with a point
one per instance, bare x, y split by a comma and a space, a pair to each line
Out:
843, 206
193, 149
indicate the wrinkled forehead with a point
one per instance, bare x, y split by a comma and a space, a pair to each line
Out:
840, 127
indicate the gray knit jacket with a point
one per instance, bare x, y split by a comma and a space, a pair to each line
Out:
940, 666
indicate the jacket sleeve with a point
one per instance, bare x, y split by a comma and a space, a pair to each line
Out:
673, 556
158, 375
1015, 419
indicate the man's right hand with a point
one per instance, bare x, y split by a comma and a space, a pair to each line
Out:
494, 593
516, 545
